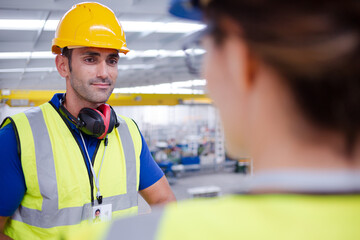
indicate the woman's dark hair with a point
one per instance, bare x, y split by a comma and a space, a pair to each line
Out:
314, 45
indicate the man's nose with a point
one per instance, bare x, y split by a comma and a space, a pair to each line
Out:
102, 70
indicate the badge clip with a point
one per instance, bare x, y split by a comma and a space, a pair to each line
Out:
99, 199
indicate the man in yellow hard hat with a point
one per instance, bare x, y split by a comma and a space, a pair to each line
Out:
74, 155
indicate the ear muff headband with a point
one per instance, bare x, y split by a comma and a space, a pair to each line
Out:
67, 114
113, 120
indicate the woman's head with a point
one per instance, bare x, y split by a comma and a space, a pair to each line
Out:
313, 47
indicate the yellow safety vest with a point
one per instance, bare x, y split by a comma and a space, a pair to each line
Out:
245, 217
280, 217
59, 192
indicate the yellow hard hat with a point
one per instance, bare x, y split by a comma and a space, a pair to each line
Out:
89, 24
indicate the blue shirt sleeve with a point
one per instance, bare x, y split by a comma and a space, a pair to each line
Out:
150, 172
12, 181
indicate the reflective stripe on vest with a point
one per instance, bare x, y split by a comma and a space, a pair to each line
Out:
46, 172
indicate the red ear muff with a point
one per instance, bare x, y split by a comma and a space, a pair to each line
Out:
110, 117
106, 114
94, 122
97, 122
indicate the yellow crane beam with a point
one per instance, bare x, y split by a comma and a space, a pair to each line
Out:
36, 97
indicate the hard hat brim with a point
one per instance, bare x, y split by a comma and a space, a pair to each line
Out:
57, 45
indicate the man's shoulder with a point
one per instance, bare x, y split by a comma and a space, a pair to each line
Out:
133, 127
126, 119
8, 140
6, 129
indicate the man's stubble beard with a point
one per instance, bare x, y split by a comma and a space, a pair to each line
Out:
86, 93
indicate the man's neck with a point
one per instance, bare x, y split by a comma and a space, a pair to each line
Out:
74, 104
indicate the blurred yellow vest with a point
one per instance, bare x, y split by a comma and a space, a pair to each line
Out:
249, 217
280, 217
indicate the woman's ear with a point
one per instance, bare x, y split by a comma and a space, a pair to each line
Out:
241, 62
252, 68
62, 65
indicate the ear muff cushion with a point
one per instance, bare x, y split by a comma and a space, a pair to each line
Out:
93, 122
106, 112
113, 120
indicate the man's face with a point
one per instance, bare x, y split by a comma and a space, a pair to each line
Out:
94, 73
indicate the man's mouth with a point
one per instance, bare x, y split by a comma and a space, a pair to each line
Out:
101, 85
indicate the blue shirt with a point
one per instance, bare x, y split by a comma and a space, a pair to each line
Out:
12, 182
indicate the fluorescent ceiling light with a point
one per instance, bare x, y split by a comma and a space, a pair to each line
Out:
42, 55
12, 70
195, 51
129, 26
161, 27
26, 55
15, 55
45, 69
140, 26
20, 70
53, 69
154, 53
132, 54
135, 66
178, 27
190, 83
21, 24
51, 25
166, 88
156, 89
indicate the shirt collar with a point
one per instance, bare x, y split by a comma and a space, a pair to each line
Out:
56, 102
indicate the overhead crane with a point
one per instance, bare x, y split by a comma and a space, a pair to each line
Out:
27, 98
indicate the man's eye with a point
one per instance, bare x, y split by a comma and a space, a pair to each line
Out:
89, 60
113, 61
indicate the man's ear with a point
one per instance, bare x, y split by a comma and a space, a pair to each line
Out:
62, 65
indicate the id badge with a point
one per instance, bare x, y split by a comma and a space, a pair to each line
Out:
101, 213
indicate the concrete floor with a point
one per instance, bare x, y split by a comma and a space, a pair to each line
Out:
227, 182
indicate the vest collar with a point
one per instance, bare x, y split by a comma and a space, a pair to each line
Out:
307, 181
